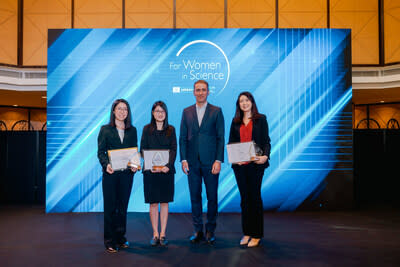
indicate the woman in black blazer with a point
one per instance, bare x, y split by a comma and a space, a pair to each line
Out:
118, 133
159, 184
249, 125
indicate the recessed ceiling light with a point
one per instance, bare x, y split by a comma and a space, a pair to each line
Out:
382, 101
15, 105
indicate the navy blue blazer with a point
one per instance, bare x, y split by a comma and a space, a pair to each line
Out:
260, 136
204, 143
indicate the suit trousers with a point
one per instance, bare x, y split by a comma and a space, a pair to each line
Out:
116, 193
249, 180
195, 177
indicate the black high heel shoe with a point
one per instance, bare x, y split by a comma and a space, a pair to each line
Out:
163, 241
154, 241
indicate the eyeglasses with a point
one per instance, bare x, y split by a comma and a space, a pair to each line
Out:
122, 109
159, 111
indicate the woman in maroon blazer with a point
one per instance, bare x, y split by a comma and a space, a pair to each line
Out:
249, 125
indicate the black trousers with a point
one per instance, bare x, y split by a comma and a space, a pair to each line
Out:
196, 176
249, 180
116, 193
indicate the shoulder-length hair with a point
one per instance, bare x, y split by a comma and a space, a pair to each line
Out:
128, 119
239, 113
153, 125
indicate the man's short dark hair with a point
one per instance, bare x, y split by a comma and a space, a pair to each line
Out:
201, 81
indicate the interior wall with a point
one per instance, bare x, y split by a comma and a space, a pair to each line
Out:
97, 14
379, 113
149, 14
392, 26
11, 115
39, 16
200, 14
362, 16
303, 14
251, 14
8, 31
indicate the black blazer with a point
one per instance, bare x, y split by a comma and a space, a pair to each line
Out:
204, 143
153, 140
109, 139
260, 135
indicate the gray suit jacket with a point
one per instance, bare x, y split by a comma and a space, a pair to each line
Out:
203, 144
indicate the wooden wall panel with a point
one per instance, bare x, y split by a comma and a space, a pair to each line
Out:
10, 115
392, 30
39, 16
251, 14
149, 14
302, 14
38, 118
359, 113
98, 14
200, 14
380, 113
9, 32
362, 17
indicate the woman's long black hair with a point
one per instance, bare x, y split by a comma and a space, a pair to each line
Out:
153, 125
239, 113
128, 119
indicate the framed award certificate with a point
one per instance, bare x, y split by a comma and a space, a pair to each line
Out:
155, 159
121, 159
241, 152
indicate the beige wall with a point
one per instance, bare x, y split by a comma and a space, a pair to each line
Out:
149, 14
392, 30
362, 17
8, 31
200, 14
40, 15
98, 14
303, 14
251, 14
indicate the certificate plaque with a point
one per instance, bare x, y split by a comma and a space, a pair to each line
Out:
155, 159
121, 159
241, 152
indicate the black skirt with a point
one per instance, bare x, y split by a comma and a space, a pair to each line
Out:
158, 187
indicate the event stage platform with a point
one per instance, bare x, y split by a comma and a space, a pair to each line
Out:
29, 237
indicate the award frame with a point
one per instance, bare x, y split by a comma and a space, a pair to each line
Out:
241, 152
124, 158
155, 159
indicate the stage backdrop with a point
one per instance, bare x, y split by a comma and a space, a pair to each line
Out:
301, 80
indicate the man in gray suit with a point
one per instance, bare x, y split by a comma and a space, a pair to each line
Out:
201, 144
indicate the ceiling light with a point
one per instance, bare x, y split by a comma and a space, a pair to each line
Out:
44, 96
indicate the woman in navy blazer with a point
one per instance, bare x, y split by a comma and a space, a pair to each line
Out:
249, 125
118, 133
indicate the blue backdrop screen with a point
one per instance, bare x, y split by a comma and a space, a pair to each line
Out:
301, 79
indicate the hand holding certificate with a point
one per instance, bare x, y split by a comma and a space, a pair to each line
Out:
121, 159
242, 152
